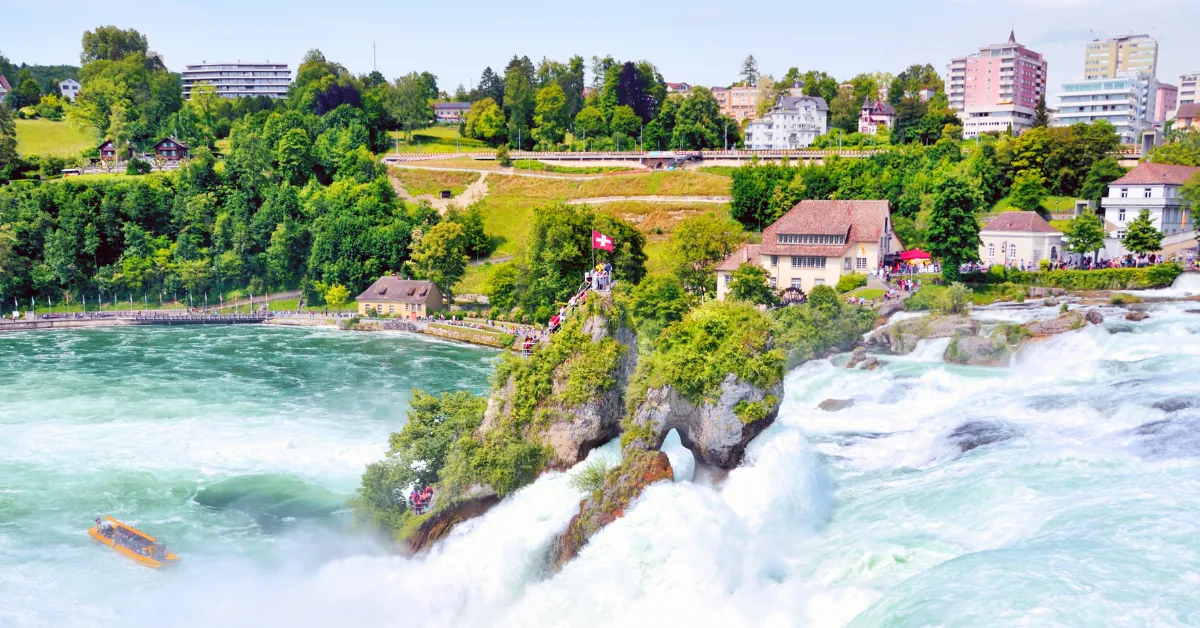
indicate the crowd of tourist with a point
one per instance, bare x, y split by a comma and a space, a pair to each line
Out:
420, 501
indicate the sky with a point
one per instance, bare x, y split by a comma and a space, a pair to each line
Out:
702, 42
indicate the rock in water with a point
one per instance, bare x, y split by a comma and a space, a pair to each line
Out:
833, 405
1094, 317
1060, 325
1136, 316
870, 364
621, 487
901, 338
978, 351
857, 357
975, 434
717, 430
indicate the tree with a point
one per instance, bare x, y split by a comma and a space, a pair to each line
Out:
1183, 149
112, 44
1141, 236
471, 219
485, 121
519, 100
571, 82
27, 94
698, 245
8, 143
625, 121
590, 122
953, 235
1190, 191
750, 71
550, 116
698, 122
659, 301
1084, 234
294, 156
337, 296
440, 256
1028, 190
750, 284
1040, 117
409, 102
1103, 172
491, 85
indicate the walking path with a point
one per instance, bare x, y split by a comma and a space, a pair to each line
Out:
508, 172
657, 198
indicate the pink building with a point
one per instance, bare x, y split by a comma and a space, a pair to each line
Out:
1166, 102
997, 88
874, 116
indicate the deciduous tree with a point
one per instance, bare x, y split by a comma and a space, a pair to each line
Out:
1028, 190
1084, 234
440, 256
112, 44
697, 246
750, 284
1141, 236
953, 236
337, 296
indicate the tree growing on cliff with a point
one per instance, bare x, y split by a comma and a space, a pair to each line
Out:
750, 284
953, 235
1141, 236
1084, 234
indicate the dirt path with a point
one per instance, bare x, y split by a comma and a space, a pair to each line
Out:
508, 172
474, 192
651, 199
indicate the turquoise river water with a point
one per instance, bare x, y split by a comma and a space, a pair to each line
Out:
1062, 491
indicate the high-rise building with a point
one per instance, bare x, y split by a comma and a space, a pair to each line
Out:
1112, 57
1166, 102
1187, 88
1127, 101
238, 80
997, 88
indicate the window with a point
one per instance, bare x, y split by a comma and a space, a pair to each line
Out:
1121, 215
860, 263
771, 281
846, 264
1012, 251
774, 260
379, 308
808, 261
796, 283
1146, 193
1124, 192
728, 277
391, 309
991, 250
818, 282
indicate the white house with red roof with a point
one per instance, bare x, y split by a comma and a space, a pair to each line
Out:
5, 88
1155, 187
1019, 238
817, 242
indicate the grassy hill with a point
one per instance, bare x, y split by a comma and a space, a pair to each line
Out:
1055, 205
437, 139
48, 137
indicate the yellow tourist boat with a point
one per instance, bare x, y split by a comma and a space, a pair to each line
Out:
133, 543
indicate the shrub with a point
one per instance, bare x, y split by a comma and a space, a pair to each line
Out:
502, 156
590, 478
853, 281
809, 331
1122, 299
1044, 265
1100, 279
750, 411
137, 167
954, 300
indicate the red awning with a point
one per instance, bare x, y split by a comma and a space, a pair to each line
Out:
913, 254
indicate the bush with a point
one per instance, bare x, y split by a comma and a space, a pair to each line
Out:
138, 167
853, 281
810, 331
954, 300
1122, 299
590, 478
1101, 279
503, 158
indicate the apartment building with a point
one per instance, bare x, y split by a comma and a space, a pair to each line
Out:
1187, 88
239, 80
1115, 56
1127, 101
739, 102
1166, 101
997, 88
794, 122
1149, 186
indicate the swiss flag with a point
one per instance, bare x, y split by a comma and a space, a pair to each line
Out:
601, 241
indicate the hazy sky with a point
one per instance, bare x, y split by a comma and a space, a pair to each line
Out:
698, 41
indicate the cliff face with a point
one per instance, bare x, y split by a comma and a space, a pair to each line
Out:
473, 503
717, 430
622, 486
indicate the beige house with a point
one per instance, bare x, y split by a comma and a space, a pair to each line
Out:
405, 298
817, 242
1015, 237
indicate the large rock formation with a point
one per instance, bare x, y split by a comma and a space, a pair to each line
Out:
716, 430
1063, 323
902, 337
979, 351
621, 487
475, 501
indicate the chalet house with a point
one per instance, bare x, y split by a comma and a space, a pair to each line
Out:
5, 88
817, 242
170, 149
1015, 237
108, 151
400, 297
874, 116
1155, 187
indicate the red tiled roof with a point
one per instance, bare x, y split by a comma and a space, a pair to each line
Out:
748, 253
1019, 221
859, 221
1190, 110
392, 288
4, 84
1157, 174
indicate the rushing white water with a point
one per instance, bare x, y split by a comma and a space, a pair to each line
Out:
1061, 491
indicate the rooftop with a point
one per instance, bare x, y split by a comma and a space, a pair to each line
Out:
451, 105
1029, 222
391, 288
748, 253
1158, 174
1190, 110
858, 221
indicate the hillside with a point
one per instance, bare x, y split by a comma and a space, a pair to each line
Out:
48, 137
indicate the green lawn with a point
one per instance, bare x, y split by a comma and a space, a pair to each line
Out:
869, 294
436, 139
48, 137
1053, 204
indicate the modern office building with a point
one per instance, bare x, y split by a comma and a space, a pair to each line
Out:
1187, 88
997, 88
1127, 101
1115, 56
239, 80
1166, 101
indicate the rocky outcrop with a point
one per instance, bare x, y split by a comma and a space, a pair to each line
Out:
1136, 316
1036, 292
860, 360
1094, 317
1059, 325
993, 350
901, 338
716, 430
475, 501
621, 487
870, 364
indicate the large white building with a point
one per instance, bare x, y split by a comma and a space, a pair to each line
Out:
1127, 101
1150, 186
239, 80
794, 122
69, 89
1187, 88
